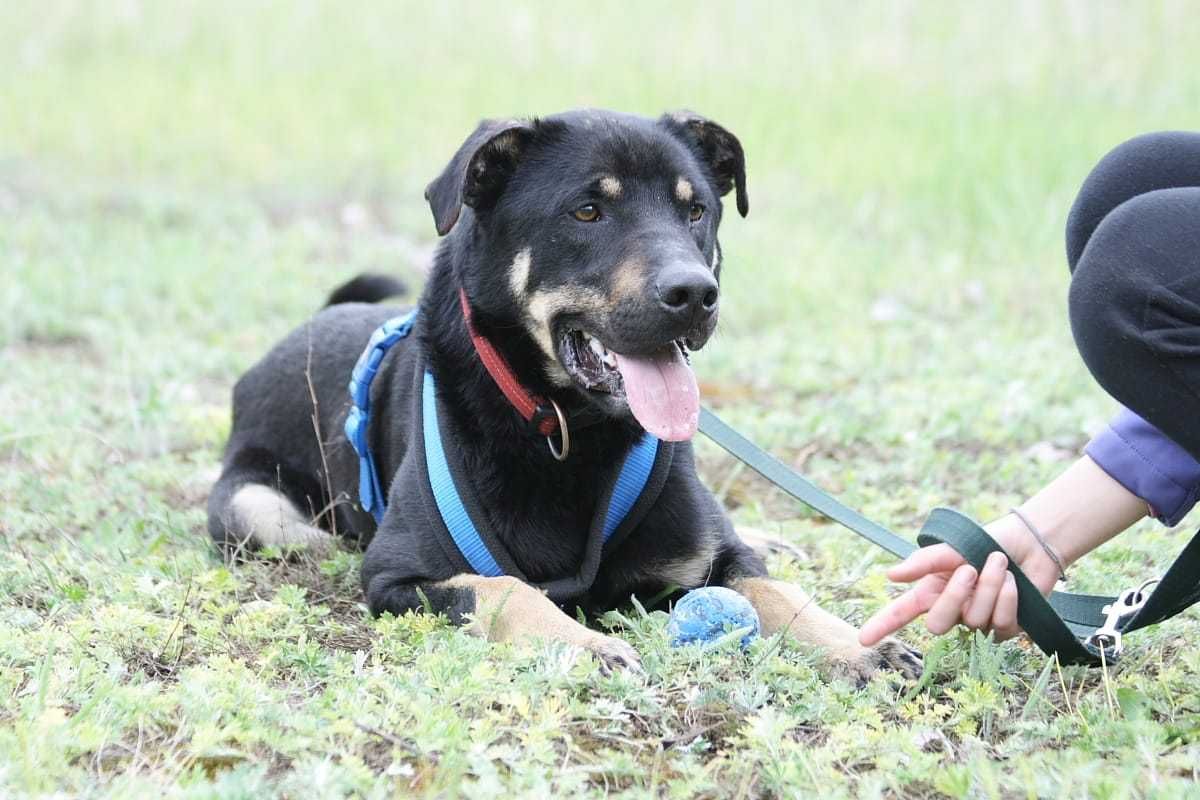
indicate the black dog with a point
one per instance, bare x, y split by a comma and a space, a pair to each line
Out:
584, 264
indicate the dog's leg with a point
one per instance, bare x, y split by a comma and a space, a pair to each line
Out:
249, 516
783, 606
501, 609
507, 609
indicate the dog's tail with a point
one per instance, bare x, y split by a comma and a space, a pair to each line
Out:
366, 288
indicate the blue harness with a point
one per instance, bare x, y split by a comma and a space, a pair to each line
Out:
631, 481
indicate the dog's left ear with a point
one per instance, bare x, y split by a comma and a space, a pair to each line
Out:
721, 150
477, 173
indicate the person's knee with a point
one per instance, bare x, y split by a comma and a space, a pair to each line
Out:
1101, 304
1162, 160
1142, 253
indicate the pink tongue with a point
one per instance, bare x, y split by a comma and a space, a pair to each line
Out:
662, 393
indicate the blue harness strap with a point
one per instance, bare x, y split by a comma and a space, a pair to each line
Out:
370, 490
630, 483
631, 480
445, 493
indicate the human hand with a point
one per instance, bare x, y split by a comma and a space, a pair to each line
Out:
950, 591
1076, 512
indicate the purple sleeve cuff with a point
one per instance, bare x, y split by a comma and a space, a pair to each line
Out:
1143, 460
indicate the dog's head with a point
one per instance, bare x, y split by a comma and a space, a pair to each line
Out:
596, 233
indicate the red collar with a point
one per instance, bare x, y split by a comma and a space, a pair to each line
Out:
534, 408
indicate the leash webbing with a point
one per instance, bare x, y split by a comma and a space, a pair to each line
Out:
799, 487
1078, 628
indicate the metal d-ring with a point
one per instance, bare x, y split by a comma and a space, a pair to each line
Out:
560, 454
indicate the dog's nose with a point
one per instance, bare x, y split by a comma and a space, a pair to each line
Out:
687, 291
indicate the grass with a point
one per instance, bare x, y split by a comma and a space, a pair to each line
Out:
181, 183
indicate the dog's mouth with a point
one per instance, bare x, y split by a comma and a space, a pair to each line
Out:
659, 388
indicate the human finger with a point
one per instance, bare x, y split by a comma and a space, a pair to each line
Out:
947, 610
936, 558
901, 611
1004, 618
978, 611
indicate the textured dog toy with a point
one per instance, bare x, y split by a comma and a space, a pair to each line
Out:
708, 613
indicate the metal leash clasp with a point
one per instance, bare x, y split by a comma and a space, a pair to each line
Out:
1107, 638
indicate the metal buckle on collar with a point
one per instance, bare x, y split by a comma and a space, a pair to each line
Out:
1107, 638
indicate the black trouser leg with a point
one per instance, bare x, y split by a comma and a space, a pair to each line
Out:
1133, 242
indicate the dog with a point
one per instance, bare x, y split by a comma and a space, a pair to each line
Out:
550, 350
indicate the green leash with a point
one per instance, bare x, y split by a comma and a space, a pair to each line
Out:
1078, 628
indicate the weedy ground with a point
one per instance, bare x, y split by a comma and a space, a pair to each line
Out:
180, 184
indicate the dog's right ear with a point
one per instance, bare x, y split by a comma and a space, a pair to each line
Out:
477, 173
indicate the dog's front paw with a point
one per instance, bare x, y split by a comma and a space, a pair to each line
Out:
895, 655
613, 653
890, 654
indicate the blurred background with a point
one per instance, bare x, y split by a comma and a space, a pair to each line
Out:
180, 183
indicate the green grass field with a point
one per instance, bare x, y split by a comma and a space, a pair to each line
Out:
181, 183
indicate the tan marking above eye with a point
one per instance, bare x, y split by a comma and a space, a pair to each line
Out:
610, 186
588, 213
683, 189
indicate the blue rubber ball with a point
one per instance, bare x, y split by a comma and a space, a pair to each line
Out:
708, 613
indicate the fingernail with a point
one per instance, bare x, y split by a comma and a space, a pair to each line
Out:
997, 560
965, 575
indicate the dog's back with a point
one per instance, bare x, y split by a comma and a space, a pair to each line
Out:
288, 468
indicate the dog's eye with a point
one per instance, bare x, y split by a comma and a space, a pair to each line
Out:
697, 212
588, 213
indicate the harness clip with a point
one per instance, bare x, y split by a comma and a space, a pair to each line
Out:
1107, 638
